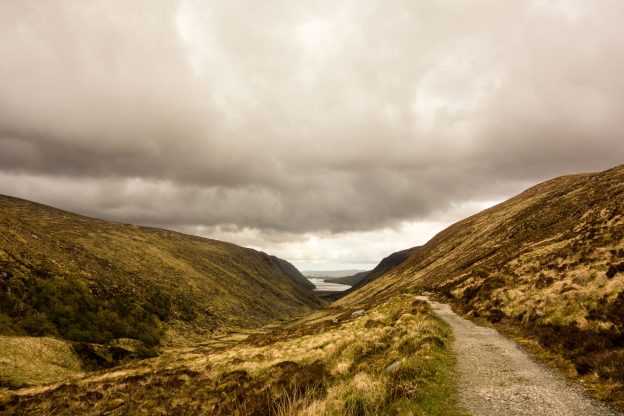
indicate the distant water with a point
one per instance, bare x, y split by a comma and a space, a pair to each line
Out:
321, 284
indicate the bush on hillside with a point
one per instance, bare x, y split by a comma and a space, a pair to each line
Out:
58, 306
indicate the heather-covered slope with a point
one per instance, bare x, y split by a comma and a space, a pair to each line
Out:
549, 262
84, 279
291, 271
390, 359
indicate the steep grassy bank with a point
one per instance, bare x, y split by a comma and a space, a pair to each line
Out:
333, 362
549, 262
35, 360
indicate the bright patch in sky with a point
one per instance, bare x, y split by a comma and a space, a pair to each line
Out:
314, 34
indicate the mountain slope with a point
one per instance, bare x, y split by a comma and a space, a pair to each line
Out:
387, 264
349, 280
549, 262
84, 279
291, 271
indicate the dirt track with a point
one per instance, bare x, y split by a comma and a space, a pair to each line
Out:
498, 378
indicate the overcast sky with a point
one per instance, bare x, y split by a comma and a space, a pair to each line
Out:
329, 133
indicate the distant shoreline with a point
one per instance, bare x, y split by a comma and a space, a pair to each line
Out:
322, 286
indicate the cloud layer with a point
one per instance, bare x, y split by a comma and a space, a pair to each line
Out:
299, 118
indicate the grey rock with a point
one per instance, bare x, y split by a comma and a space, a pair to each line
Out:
393, 367
357, 313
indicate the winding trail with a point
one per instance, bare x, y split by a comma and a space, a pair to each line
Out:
498, 378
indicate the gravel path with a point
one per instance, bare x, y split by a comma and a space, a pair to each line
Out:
498, 378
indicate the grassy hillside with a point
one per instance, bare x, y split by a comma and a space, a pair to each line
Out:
548, 263
87, 280
36, 360
391, 359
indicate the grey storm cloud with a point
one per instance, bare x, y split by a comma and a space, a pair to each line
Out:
303, 116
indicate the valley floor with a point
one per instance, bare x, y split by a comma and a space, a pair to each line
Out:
495, 377
402, 357
380, 359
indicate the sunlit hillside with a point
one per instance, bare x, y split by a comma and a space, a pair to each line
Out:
548, 263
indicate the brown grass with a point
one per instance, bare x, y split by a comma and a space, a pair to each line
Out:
28, 360
329, 363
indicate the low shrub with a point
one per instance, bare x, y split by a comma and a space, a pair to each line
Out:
60, 306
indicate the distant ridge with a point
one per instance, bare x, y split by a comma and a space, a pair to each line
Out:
349, 280
387, 264
330, 274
